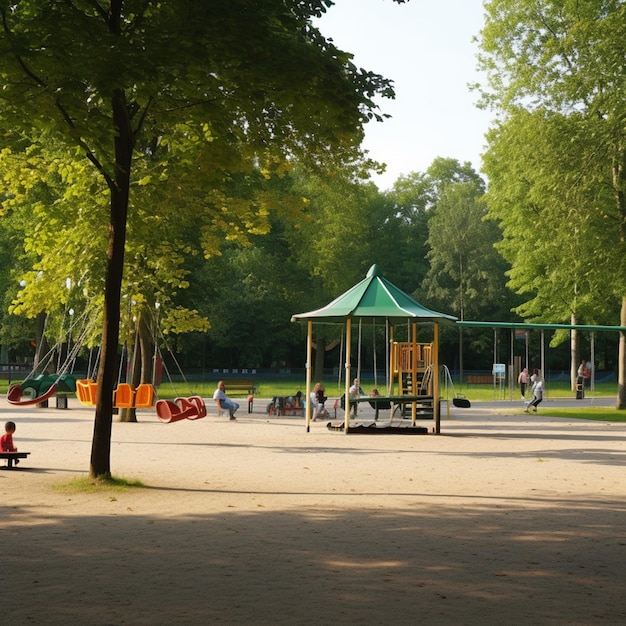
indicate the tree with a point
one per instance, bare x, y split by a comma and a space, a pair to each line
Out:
127, 81
466, 274
555, 76
58, 218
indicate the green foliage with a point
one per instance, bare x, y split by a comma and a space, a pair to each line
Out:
540, 195
197, 94
557, 156
234, 106
466, 273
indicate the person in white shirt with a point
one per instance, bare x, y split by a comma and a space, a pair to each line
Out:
224, 403
537, 391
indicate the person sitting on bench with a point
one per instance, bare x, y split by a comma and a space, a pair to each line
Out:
318, 398
224, 403
6, 441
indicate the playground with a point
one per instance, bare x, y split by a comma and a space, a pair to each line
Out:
252, 522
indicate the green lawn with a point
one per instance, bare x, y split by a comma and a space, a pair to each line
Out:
267, 388
598, 414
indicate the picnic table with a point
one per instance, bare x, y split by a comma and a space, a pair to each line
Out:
424, 405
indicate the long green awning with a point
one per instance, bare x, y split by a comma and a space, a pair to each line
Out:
526, 326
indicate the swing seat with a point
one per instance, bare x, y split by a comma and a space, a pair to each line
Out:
123, 396
67, 383
87, 390
168, 411
144, 396
192, 403
199, 402
15, 395
40, 383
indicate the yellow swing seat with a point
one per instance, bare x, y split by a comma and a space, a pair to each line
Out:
86, 391
144, 396
123, 396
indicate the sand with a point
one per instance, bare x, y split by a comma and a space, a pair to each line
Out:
503, 517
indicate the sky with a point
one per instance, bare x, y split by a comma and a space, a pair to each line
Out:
426, 48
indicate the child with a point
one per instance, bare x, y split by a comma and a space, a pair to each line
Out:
6, 441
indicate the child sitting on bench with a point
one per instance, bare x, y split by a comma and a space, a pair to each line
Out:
6, 441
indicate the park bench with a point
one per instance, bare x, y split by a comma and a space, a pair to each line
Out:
11, 457
239, 387
480, 379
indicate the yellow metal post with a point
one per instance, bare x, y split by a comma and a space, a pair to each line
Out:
435, 360
414, 372
347, 389
309, 350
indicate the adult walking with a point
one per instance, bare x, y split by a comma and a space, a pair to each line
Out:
537, 390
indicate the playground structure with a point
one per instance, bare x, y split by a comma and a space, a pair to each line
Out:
372, 299
411, 368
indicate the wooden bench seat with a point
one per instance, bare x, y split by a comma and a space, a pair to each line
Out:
239, 387
11, 457
480, 379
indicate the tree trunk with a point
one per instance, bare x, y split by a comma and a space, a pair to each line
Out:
621, 372
129, 414
320, 352
146, 350
141, 364
100, 464
573, 354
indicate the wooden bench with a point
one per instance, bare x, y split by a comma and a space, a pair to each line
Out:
239, 387
480, 379
12, 457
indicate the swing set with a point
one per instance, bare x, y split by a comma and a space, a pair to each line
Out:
125, 396
144, 396
37, 389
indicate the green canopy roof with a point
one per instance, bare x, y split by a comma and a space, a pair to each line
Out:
374, 298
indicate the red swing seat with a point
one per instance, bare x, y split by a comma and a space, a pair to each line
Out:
168, 411
16, 393
195, 402
191, 408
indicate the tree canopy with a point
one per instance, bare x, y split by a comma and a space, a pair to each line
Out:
557, 159
210, 98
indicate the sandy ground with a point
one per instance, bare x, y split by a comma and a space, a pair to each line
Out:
503, 517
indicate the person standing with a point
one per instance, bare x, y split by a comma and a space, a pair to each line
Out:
537, 390
583, 375
355, 391
224, 403
523, 379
